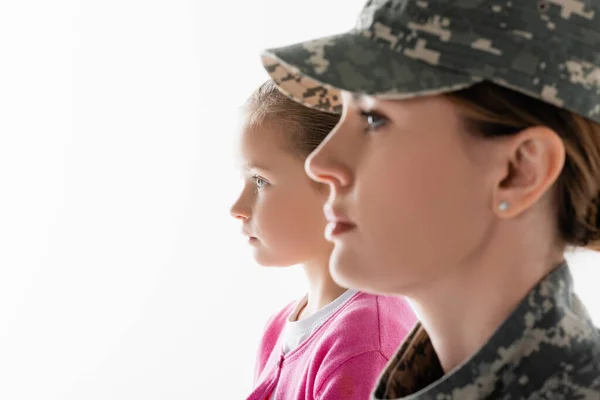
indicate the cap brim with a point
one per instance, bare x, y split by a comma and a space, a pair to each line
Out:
314, 72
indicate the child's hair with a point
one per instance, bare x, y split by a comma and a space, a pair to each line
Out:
491, 110
305, 126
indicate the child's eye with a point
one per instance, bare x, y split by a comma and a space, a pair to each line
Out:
374, 120
259, 181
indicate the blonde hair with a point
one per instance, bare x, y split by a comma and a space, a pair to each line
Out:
306, 127
495, 111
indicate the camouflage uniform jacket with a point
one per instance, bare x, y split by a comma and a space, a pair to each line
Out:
548, 348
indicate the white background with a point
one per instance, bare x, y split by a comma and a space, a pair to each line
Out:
122, 275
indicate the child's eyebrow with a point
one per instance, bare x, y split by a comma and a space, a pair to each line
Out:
250, 165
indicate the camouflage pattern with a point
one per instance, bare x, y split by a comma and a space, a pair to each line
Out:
548, 49
547, 349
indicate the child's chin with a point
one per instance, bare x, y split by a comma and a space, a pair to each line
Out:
269, 261
264, 260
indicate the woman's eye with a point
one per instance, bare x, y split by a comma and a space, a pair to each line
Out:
374, 120
259, 181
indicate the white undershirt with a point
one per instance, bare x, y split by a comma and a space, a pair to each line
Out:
295, 332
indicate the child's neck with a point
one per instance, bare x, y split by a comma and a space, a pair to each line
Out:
322, 289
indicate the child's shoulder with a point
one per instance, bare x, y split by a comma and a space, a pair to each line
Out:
367, 305
276, 321
272, 332
377, 310
371, 322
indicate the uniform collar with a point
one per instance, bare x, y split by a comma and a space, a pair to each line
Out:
549, 325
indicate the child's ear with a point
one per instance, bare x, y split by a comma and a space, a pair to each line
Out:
533, 161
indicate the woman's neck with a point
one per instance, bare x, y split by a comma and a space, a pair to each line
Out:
461, 311
322, 289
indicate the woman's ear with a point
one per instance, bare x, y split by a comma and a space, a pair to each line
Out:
533, 160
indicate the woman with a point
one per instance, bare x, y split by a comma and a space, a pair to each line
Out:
466, 161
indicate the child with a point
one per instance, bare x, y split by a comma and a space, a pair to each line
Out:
333, 343
467, 160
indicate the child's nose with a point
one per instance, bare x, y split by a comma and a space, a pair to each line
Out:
239, 212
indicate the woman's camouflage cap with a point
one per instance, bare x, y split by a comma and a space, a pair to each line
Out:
547, 49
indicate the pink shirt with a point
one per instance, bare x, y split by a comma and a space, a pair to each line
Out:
342, 359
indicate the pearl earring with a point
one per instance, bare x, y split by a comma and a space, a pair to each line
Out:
503, 206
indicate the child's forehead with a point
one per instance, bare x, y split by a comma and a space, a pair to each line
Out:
262, 148
266, 139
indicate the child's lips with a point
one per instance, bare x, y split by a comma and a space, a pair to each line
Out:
251, 239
